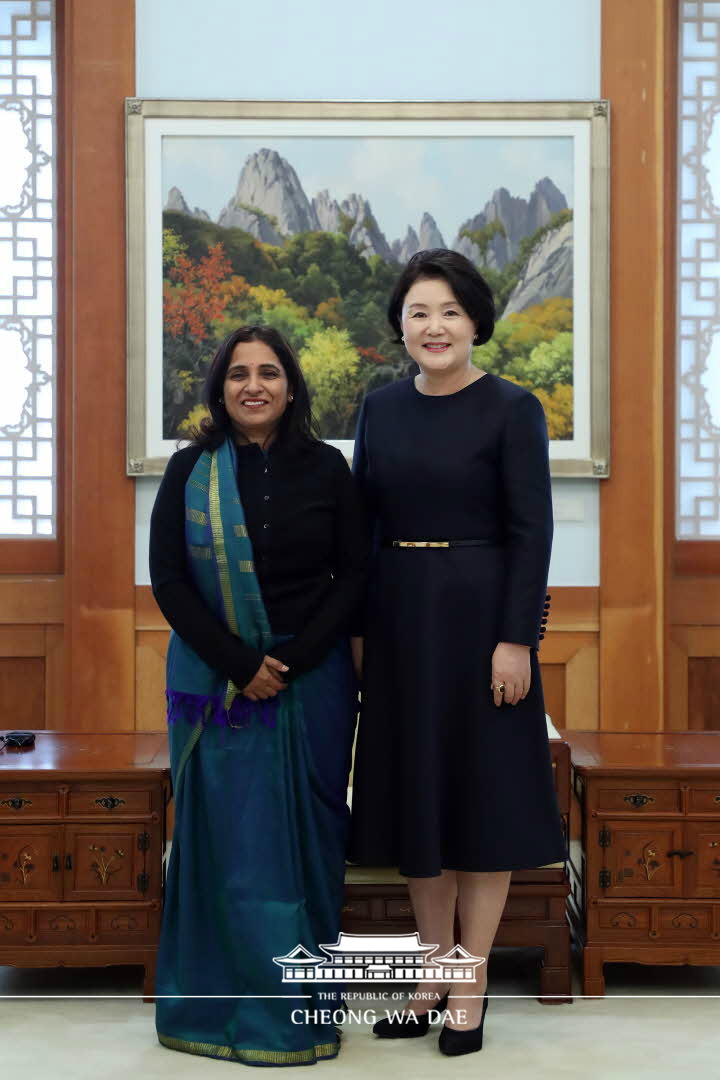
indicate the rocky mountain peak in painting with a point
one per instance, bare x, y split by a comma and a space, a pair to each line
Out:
549, 271
365, 233
327, 211
270, 203
505, 221
269, 200
176, 202
405, 249
430, 236
545, 201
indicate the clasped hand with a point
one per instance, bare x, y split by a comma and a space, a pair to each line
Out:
510, 665
266, 682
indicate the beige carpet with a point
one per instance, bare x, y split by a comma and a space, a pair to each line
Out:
634, 1033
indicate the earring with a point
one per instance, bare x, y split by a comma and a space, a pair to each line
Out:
221, 400
290, 397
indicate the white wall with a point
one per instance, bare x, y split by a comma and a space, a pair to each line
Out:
382, 49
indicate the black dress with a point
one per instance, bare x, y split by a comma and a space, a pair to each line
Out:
443, 778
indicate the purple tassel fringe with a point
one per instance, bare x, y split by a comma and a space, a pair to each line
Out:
210, 709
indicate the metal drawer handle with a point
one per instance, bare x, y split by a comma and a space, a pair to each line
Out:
55, 864
639, 800
68, 862
16, 804
110, 802
681, 854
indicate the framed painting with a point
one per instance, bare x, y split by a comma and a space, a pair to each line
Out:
300, 215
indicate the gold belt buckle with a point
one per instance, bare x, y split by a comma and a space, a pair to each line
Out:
421, 543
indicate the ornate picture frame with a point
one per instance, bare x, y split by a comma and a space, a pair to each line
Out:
304, 212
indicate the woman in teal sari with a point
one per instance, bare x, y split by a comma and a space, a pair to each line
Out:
257, 557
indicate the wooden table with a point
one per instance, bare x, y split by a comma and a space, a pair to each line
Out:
82, 837
645, 849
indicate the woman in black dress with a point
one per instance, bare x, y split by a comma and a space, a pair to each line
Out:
453, 779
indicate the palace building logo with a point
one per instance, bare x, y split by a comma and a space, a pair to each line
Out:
390, 958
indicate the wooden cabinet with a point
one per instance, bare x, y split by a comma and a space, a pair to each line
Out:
82, 838
645, 849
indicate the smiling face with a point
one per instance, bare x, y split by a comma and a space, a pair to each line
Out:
438, 332
255, 390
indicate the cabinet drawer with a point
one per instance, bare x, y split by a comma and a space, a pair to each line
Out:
637, 797
525, 907
108, 801
398, 909
13, 926
63, 926
704, 799
119, 924
356, 909
17, 805
685, 922
626, 921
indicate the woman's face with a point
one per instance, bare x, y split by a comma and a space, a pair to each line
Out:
438, 332
255, 389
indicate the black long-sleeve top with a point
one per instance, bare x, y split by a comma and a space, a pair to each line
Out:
468, 465
306, 525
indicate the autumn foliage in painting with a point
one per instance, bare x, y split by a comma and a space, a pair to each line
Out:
329, 302
193, 297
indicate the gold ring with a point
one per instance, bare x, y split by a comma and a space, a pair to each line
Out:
499, 686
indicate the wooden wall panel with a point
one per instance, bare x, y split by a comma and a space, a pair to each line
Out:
22, 640
37, 600
694, 672
704, 694
575, 654
677, 677
98, 57
637, 80
55, 712
694, 601
569, 659
150, 674
554, 691
22, 692
29, 680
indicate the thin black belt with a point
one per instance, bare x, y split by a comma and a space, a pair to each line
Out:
485, 542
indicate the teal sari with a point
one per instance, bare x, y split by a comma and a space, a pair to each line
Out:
257, 862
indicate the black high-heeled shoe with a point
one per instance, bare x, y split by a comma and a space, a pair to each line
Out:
454, 1042
409, 1026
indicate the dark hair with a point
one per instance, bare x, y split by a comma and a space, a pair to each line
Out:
465, 280
296, 424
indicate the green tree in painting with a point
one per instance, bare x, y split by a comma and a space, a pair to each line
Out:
331, 367
172, 247
515, 337
549, 363
482, 237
